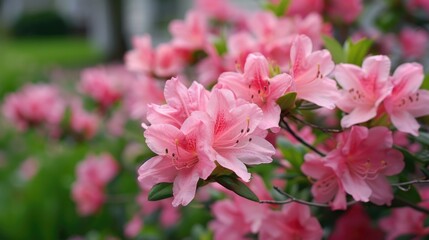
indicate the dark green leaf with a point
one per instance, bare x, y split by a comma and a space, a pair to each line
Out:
161, 191
287, 101
411, 196
409, 158
423, 138
237, 186
334, 48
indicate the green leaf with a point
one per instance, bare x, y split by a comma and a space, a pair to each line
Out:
412, 195
161, 191
425, 84
287, 101
355, 52
294, 154
278, 9
423, 138
221, 46
409, 158
237, 186
334, 48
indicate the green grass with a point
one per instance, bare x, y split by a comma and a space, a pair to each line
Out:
30, 60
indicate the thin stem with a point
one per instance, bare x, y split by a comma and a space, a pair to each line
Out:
415, 181
294, 199
326, 130
286, 126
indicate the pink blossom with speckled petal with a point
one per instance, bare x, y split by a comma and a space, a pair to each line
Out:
363, 89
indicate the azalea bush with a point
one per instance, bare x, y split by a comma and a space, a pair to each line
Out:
297, 121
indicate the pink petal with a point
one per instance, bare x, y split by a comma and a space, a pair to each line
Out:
184, 187
356, 186
377, 69
395, 162
323, 92
256, 67
156, 170
301, 48
407, 79
230, 162
405, 122
381, 191
359, 115
348, 76
420, 108
257, 151
161, 137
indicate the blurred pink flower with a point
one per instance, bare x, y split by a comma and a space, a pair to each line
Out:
169, 60
305, 7
236, 217
407, 221
401, 139
413, 42
406, 101
133, 227
363, 89
141, 57
88, 197
28, 168
35, 105
294, 221
143, 90
83, 123
345, 11
355, 224
418, 4
310, 70
93, 174
105, 84
220, 10
255, 85
191, 33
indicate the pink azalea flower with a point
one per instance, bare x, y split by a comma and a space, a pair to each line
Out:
294, 221
220, 10
363, 89
92, 175
240, 45
256, 86
180, 159
235, 139
141, 58
169, 60
81, 122
190, 34
34, 105
401, 139
29, 168
406, 101
305, 7
105, 84
413, 42
416, 4
181, 102
309, 71
358, 166
236, 217
97, 170
327, 188
355, 224
407, 221
143, 91
346, 11
89, 198
133, 227
210, 68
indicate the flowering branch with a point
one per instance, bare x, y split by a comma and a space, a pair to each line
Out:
294, 199
407, 185
286, 126
326, 130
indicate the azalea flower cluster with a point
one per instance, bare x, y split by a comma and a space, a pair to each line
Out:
248, 97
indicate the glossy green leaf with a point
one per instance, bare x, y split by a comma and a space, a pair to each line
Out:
287, 101
335, 48
161, 191
237, 186
355, 52
294, 154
